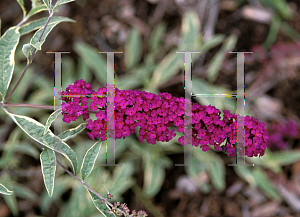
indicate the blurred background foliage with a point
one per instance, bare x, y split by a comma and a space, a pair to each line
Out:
149, 33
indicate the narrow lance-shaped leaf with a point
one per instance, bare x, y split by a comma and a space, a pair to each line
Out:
133, 48
4, 190
90, 159
34, 40
36, 10
8, 44
47, 3
48, 29
93, 60
61, 3
36, 24
51, 119
35, 130
48, 162
71, 133
21, 3
103, 208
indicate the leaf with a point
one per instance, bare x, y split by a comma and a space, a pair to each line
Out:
36, 24
214, 166
36, 10
47, 3
28, 149
48, 163
11, 202
24, 192
34, 40
289, 31
167, 68
216, 62
93, 59
27, 51
61, 3
21, 3
89, 160
35, 3
154, 177
156, 36
71, 133
265, 184
190, 31
284, 158
133, 48
8, 44
213, 42
103, 208
129, 81
246, 174
273, 32
9, 148
63, 184
35, 130
51, 119
4, 190
200, 86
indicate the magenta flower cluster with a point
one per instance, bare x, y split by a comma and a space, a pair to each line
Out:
281, 132
156, 113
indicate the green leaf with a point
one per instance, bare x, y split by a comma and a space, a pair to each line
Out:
27, 51
214, 166
273, 32
11, 202
90, 159
284, 158
167, 68
154, 177
28, 149
4, 190
62, 185
265, 184
35, 130
246, 174
24, 192
21, 3
213, 42
10, 148
129, 81
103, 208
216, 62
47, 3
133, 48
83, 72
36, 10
61, 3
51, 119
93, 59
290, 31
200, 86
48, 163
71, 133
8, 44
35, 3
190, 30
156, 36
36, 24
34, 40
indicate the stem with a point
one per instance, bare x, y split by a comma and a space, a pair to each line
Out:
83, 183
49, 107
31, 57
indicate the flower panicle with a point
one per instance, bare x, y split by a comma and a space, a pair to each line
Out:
154, 114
